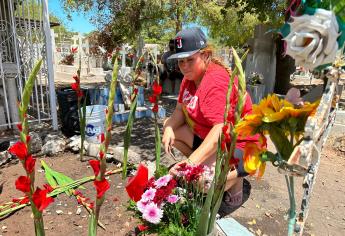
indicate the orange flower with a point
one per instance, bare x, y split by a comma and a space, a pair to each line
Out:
252, 160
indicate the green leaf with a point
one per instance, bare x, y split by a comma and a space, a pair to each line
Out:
59, 178
127, 137
28, 89
92, 225
281, 142
157, 144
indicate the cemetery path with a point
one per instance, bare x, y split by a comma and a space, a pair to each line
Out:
263, 212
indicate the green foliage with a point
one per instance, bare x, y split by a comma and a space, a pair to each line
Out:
268, 11
223, 24
176, 230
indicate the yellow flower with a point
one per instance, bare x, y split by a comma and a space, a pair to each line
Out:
251, 159
247, 126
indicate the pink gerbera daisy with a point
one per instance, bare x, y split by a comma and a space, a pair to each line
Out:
173, 198
148, 195
142, 205
163, 181
152, 213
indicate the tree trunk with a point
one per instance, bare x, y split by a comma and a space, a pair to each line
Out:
284, 68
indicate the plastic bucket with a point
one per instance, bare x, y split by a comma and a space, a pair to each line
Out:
95, 122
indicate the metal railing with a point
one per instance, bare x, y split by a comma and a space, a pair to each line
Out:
24, 39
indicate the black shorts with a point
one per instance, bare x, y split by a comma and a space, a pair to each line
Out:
196, 142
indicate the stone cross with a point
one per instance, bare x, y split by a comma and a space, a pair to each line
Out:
75, 38
123, 56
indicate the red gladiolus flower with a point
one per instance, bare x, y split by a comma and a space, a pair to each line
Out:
96, 165
48, 187
101, 187
40, 199
23, 184
223, 146
80, 94
153, 99
75, 86
136, 185
24, 200
156, 88
101, 155
135, 91
155, 108
29, 164
234, 161
143, 228
20, 127
28, 138
76, 78
74, 50
102, 137
91, 205
19, 149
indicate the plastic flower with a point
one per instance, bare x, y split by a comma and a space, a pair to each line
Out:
101, 187
29, 164
252, 160
96, 165
152, 213
19, 150
148, 195
41, 200
313, 39
163, 181
173, 198
137, 184
23, 184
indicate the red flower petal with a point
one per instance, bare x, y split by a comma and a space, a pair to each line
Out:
20, 127
102, 137
23, 184
137, 184
135, 91
152, 99
28, 138
19, 149
48, 187
101, 187
101, 155
156, 88
96, 165
234, 161
29, 164
155, 108
80, 94
40, 199
75, 86
143, 228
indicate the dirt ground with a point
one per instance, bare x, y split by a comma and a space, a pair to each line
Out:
264, 212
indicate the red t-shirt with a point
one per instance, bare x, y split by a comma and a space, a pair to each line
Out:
204, 106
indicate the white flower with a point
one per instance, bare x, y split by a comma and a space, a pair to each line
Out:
313, 39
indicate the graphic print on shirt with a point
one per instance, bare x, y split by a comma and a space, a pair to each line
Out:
189, 100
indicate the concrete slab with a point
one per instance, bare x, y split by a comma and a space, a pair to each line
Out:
230, 226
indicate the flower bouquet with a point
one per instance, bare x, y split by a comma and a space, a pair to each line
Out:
169, 205
284, 123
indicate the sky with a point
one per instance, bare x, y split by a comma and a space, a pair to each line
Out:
79, 22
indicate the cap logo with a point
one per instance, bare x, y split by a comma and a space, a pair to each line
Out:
178, 42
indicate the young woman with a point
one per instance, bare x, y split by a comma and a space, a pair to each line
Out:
197, 121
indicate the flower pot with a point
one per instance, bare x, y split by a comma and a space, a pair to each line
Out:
214, 232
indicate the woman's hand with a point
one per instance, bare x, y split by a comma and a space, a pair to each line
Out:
173, 170
168, 139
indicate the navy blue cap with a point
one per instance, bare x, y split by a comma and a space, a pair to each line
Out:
188, 42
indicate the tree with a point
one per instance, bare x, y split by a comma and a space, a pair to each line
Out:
223, 24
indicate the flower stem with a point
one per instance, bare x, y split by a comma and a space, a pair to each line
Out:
292, 210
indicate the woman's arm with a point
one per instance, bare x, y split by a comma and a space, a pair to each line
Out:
171, 124
176, 119
208, 147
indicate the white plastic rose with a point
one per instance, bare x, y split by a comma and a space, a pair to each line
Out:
313, 39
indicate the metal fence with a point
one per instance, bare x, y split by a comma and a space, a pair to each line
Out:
24, 39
